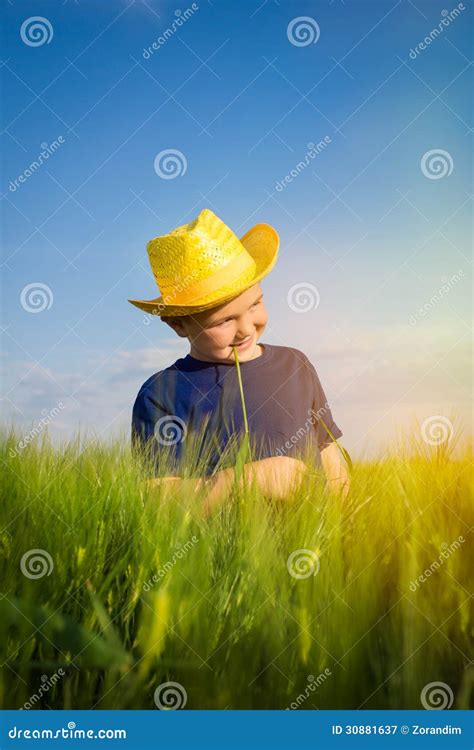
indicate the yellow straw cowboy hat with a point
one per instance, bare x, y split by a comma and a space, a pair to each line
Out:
203, 264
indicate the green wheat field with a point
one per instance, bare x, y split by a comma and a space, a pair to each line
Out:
109, 593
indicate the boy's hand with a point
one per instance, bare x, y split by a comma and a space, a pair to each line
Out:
275, 477
335, 468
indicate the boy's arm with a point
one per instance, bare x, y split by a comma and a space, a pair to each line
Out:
335, 468
275, 477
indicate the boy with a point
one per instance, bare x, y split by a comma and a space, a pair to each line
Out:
211, 295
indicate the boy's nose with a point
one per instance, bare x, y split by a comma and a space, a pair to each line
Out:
244, 334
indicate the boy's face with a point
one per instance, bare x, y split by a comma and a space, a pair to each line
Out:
212, 333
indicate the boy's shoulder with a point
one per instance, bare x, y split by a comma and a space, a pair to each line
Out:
296, 358
292, 352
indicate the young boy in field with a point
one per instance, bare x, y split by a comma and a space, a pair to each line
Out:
211, 295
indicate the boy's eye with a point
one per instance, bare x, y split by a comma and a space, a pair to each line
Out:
223, 322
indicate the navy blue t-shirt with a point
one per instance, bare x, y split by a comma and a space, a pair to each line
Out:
285, 405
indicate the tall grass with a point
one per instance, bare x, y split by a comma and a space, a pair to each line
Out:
138, 592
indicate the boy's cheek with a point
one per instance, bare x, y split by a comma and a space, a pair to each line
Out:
260, 326
218, 339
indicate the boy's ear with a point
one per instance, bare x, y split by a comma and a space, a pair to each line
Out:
177, 324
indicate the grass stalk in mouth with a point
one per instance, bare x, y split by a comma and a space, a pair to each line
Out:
244, 454
239, 377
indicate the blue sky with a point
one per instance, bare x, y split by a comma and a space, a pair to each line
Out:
375, 232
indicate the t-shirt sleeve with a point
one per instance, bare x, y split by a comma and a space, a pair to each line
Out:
153, 434
323, 420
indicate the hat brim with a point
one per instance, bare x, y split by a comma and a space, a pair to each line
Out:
261, 241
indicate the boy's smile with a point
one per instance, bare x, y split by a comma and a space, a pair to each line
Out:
213, 333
